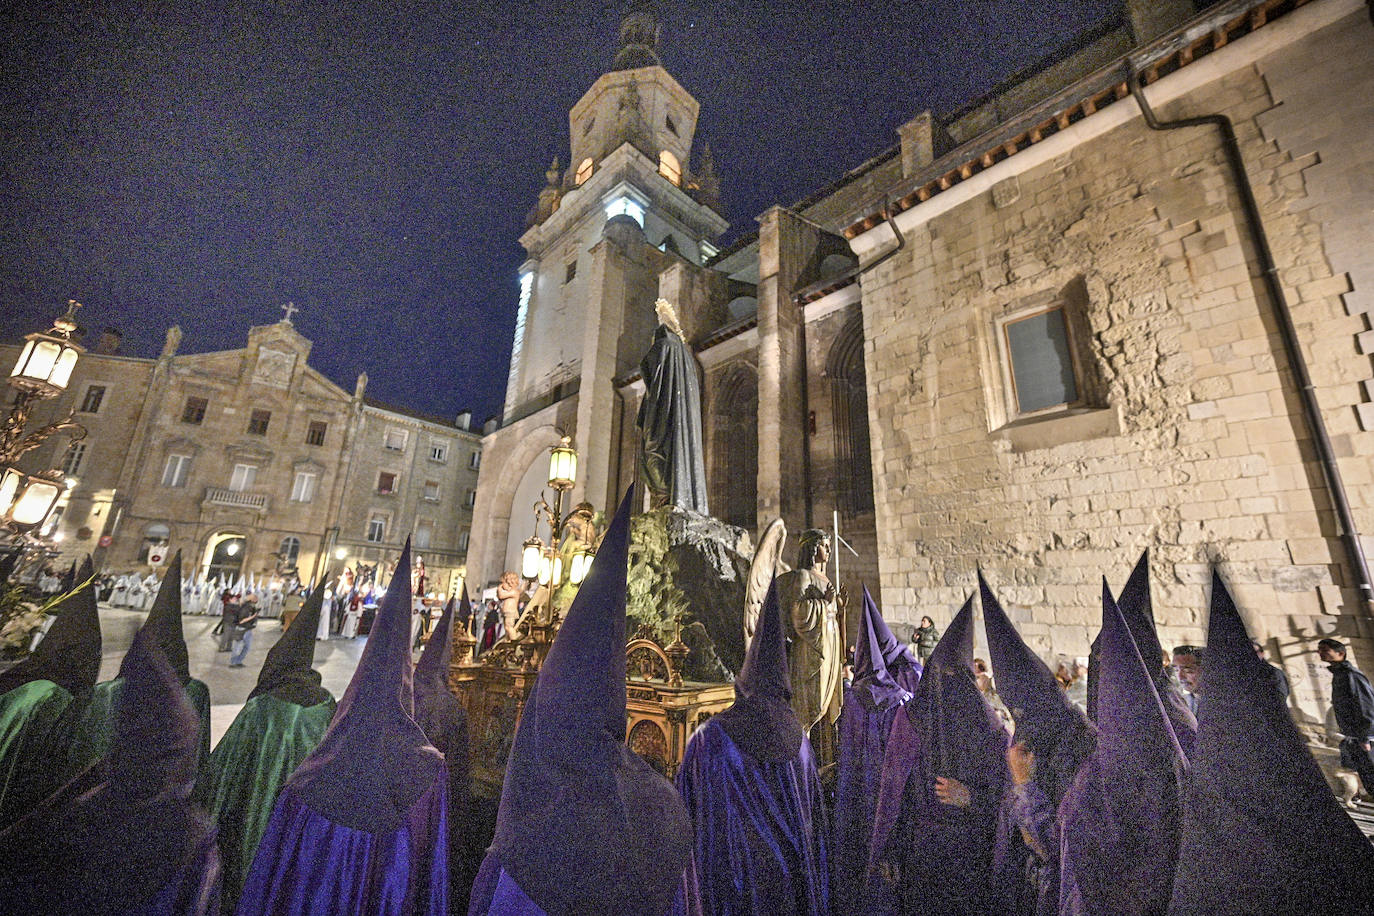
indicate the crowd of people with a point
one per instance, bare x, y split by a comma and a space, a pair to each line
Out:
1112, 784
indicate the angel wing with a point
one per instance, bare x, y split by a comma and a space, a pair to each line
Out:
767, 562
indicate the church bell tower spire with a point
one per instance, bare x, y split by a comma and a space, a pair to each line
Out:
639, 33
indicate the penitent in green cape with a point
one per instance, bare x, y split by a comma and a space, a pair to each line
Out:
41, 699
92, 738
285, 717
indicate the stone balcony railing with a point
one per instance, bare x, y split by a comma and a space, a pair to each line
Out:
238, 499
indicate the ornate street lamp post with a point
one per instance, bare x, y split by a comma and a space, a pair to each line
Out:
43, 371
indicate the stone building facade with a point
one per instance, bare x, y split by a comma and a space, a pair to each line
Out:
1073, 355
251, 461
1032, 335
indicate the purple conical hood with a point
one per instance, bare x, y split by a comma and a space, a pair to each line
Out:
1120, 820
585, 824
956, 732
1138, 611
374, 762
431, 671
1045, 717
761, 721
875, 685
164, 620
896, 654
1133, 726
69, 655
288, 671
1262, 832
955, 648
125, 826
155, 734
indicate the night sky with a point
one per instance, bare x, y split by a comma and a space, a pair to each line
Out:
374, 162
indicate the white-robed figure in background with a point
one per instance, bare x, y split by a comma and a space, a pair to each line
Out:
149, 592
326, 612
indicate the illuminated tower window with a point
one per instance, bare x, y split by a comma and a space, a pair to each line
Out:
669, 167
584, 171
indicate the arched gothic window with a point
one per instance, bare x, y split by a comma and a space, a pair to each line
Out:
849, 406
735, 448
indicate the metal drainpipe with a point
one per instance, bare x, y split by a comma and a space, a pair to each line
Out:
1316, 426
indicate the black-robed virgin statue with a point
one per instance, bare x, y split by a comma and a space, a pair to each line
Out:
671, 457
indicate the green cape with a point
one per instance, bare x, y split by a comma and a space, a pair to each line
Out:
35, 725
262, 748
92, 738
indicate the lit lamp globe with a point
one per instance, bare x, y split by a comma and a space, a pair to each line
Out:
563, 465
551, 569
232, 549
26, 499
531, 552
46, 362
581, 565
340, 553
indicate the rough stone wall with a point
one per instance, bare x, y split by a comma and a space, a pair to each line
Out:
1330, 148
1200, 452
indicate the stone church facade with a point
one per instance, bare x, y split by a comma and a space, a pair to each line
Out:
1035, 335
251, 461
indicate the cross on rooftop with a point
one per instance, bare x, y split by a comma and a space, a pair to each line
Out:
290, 309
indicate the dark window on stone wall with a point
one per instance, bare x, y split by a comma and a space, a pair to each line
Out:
735, 448
849, 404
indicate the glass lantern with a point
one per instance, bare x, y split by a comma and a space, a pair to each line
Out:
46, 362
530, 554
581, 565
563, 465
26, 499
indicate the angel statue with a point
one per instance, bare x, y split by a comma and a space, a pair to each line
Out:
810, 603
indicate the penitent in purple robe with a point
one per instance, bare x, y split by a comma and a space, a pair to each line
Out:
1058, 733
1261, 831
1120, 817
1138, 610
362, 825
753, 793
122, 837
927, 856
585, 824
869, 708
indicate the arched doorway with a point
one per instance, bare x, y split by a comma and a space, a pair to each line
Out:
224, 554
533, 483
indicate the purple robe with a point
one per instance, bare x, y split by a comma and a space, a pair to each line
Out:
927, 856
333, 869
1261, 831
1120, 816
865, 721
760, 829
862, 745
496, 893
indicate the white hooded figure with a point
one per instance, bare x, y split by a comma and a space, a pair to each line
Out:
326, 614
119, 595
149, 592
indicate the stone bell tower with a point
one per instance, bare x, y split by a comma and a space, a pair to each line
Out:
627, 206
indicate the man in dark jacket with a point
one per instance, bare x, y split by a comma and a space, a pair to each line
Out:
1352, 699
